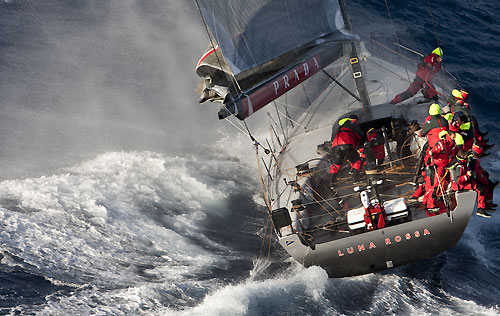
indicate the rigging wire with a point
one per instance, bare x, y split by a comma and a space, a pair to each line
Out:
234, 125
396, 38
433, 23
266, 150
431, 12
285, 105
271, 120
281, 123
247, 133
304, 127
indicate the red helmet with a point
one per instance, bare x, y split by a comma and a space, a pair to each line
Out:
465, 95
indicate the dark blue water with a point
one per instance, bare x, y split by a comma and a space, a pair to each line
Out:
121, 196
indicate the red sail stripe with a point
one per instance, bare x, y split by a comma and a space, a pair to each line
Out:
207, 53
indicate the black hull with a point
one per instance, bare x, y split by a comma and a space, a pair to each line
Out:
388, 247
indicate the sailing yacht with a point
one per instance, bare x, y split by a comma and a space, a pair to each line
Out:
302, 61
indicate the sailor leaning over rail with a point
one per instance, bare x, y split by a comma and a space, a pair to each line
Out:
482, 176
458, 102
461, 179
344, 145
463, 126
457, 105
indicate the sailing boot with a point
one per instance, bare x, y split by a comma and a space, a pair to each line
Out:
488, 146
493, 185
483, 213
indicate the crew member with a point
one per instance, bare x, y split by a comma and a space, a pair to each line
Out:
373, 150
461, 179
436, 161
425, 72
345, 143
481, 176
458, 102
434, 125
447, 114
465, 129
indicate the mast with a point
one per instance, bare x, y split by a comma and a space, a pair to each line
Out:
354, 61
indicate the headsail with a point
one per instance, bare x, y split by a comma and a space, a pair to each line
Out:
265, 43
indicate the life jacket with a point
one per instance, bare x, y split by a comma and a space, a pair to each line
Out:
348, 134
375, 216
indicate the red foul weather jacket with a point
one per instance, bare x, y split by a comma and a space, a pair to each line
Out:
432, 127
348, 134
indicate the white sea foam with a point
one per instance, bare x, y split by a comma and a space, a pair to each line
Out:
244, 298
120, 220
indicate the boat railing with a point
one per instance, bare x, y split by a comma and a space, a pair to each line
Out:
409, 58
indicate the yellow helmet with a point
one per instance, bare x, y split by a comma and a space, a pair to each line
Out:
443, 134
456, 93
438, 51
434, 109
459, 140
448, 116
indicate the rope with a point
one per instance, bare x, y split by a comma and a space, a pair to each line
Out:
430, 87
266, 198
265, 237
266, 150
310, 186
